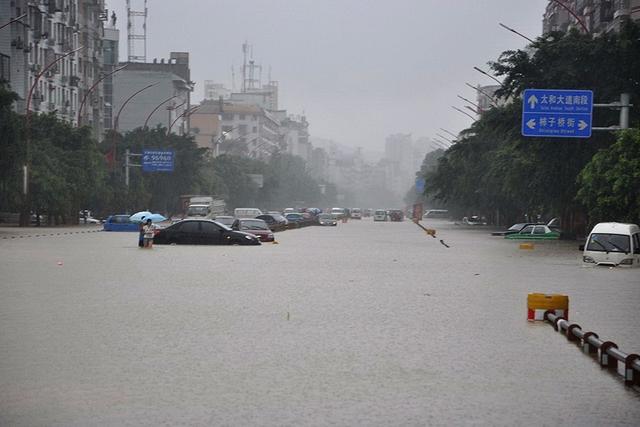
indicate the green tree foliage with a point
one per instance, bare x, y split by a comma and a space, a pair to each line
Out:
610, 182
493, 169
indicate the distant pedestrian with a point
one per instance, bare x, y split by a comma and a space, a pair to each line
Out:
141, 235
148, 234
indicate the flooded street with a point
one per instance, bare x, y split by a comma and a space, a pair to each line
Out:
361, 324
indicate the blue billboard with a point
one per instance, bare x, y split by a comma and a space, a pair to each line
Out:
158, 160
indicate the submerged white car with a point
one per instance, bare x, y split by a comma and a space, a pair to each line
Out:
613, 244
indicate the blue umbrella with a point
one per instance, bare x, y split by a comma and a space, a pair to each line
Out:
140, 216
156, 217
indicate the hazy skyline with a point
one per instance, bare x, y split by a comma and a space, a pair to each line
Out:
360, 70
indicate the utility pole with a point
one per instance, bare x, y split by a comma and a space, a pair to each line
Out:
128, 164
624, 105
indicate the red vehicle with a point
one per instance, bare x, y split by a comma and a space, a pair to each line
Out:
257, 227
396, 215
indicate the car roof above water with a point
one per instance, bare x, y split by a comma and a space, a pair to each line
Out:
615, 228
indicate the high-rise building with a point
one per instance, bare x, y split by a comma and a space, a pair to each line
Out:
47, 32
110, 54
599, 16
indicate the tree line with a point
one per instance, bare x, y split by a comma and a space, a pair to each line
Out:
70, 171
494, 171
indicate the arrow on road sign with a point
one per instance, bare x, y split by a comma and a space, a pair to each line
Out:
533, 100
582, 125
531, 124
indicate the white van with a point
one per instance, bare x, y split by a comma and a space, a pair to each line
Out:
247, 212
380, 215
613, 243
356, 213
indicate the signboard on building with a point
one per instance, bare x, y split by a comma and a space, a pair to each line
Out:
158, 160
557, 113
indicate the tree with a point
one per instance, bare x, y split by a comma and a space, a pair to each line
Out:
609, 185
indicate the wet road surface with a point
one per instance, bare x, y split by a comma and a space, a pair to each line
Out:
361, 324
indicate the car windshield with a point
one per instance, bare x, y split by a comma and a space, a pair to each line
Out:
198, 211
516, 227
325, 216
254, 225
609, 243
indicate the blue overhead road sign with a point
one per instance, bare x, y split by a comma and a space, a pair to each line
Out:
157, 160
557, 113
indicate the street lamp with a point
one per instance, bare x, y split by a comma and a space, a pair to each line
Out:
450, 133
577, 18
515, 32
491, 98
24, 215
445, 138
84, 98
185, 113
481, 71
472, 103
156, 109
117, 119
222, 137
464, 112
13, 20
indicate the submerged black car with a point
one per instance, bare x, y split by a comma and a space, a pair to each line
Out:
203, 232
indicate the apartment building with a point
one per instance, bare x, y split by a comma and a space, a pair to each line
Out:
49, 30
599, 16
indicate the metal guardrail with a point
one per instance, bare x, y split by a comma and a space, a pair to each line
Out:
607, 352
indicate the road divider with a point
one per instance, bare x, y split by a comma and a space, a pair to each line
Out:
539, 304
24, 236
607, 353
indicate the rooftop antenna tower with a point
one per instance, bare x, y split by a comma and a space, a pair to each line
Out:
233, 79
249, 81
137, 42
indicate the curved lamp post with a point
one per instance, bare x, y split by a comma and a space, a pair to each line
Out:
13, 20
464, 112
24, 217
185, 113
146, 122
115, 122
572, 13
84, 98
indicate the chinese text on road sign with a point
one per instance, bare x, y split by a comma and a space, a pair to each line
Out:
557, 113
157, 161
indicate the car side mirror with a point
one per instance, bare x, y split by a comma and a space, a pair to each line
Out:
581, 248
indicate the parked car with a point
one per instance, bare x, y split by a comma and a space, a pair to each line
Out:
356, 213
120, 222
340, 212
515, 228
225, 219
257, 227
473, 220
274, 219
294, 217
327, 219
380, 215
368, 213
535, 232
435, 214
613, 244
396, 215
247, 212
203, 232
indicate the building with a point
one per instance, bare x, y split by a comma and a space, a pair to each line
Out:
171, 90
238, 128
214, 91
47, 32
599, 16
110, 56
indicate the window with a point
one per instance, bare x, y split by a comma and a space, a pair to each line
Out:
5, 68
527, 230
254, 129
227, 116
242, 129
609, 243
539, 230
210, 228
190, 227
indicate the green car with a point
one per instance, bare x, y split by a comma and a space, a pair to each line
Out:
535, 232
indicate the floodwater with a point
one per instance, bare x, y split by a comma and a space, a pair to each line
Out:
361, 324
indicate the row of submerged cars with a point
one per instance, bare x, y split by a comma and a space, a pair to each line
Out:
608, 244
248, 226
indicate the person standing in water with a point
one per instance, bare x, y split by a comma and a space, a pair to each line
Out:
148, 234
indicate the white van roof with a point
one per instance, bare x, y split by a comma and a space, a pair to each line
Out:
615, 228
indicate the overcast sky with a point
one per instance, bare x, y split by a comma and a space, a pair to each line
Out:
359, 69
